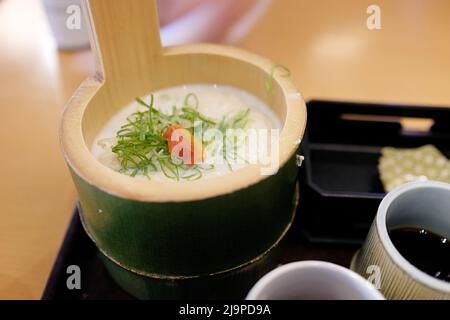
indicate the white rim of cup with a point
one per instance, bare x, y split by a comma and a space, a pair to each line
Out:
394, 254
272, 276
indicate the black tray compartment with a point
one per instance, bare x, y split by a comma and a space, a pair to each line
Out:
339, 182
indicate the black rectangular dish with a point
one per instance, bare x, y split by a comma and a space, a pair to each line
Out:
77, 249
339, 181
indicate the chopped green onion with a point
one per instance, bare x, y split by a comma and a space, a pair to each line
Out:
140, 146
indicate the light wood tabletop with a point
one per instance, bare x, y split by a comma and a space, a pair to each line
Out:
326, 44
37, 195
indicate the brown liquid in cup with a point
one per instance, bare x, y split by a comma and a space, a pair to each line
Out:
427, 251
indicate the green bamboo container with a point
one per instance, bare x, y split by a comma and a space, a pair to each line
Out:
232, 284
169, 231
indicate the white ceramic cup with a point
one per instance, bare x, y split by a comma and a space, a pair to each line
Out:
423, 204
67, 23
313, 280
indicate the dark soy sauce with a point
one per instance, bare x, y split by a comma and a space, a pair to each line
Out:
426, 250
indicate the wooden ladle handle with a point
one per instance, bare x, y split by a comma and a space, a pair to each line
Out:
125, 36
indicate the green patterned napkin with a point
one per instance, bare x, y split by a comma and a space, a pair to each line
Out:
398, 166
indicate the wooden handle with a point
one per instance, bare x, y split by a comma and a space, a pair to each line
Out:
125, 36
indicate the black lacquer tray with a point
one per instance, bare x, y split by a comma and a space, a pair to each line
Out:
339, 191
78, 249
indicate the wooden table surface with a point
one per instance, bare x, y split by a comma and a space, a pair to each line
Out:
326, 44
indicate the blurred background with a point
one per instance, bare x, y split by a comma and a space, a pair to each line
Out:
326, 44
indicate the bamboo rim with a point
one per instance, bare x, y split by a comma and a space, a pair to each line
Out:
77, 154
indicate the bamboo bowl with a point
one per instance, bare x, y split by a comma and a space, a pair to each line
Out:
171, 230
